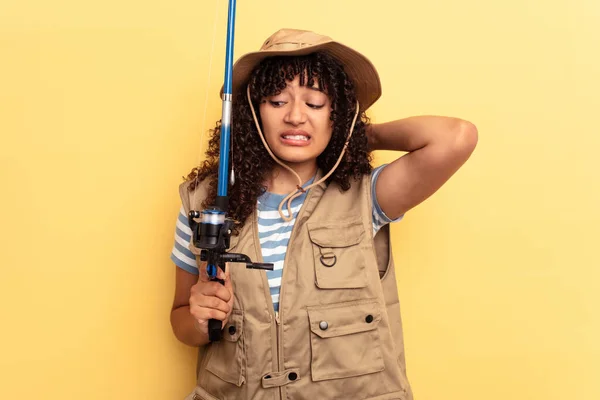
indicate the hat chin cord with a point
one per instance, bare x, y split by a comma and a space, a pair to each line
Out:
299, 189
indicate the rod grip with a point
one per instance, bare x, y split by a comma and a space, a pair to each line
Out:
214, 330
214, 325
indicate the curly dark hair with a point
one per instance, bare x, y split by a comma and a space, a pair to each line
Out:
248, 154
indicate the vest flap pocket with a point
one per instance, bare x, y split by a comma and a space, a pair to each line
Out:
227, 358
201, 394
345, 318
235, 326
345, 341
335, 234
338, 257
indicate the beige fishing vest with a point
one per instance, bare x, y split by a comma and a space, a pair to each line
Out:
339, 331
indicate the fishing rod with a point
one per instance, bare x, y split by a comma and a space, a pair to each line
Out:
212, 232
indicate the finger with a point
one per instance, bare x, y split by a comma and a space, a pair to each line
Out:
201, 313
216, 289
228, 285
201, 325
212, 302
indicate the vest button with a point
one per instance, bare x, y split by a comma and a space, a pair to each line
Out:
369, 319
292, 376
323, 325
232, 330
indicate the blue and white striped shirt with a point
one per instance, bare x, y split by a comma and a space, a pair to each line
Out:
273, 232
274, 235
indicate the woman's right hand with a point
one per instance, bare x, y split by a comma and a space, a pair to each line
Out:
211, 300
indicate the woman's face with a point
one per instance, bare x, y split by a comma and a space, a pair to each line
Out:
296, 123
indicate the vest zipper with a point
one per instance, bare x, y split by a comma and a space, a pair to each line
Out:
278, 315
270, 307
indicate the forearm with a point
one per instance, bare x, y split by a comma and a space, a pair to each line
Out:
414, 133
436, 146
184, 327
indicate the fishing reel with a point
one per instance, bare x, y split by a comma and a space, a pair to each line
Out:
212, 235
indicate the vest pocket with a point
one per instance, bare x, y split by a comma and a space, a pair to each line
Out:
201, 394
345, 340
338, 257
227, 358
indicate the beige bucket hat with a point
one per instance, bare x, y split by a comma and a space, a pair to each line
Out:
295, 42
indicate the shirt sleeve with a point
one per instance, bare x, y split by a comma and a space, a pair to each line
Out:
379, 217
181, 254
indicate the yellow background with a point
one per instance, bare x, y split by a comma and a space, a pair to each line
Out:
101, 113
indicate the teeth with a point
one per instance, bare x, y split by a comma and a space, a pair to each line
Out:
296, 137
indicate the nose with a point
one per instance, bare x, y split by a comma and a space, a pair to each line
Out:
295, 115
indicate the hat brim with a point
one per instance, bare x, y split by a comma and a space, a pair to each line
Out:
359, 69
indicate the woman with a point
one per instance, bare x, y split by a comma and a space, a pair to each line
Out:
325, 323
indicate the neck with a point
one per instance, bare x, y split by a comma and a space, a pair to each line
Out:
283, 181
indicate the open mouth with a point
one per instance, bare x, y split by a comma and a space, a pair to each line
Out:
295, 138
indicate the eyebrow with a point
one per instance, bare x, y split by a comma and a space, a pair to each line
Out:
314, 88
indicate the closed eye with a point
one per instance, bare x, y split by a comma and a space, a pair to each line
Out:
315, 106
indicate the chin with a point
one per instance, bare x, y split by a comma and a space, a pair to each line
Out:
296, 160
296, 157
